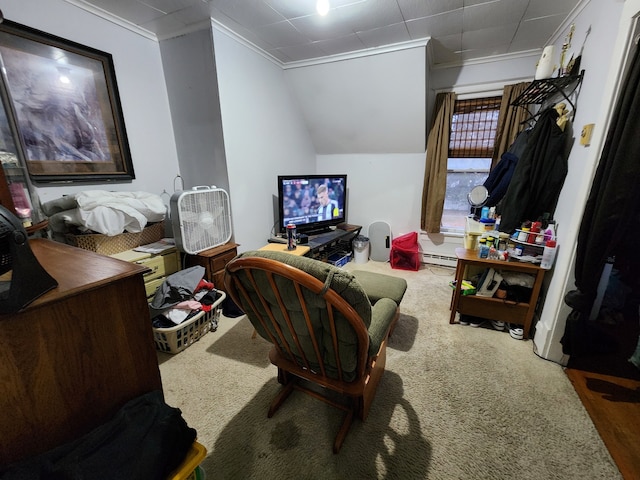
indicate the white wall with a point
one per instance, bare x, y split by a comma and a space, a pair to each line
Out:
264, 136
140, 78
381, 188
372, 104
192, 85
367, 119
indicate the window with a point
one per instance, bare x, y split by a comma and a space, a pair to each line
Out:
471, 143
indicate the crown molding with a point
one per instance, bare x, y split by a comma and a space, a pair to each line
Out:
121, 22
491, 59
367, 52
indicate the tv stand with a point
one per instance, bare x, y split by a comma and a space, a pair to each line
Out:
323, 245
317, 231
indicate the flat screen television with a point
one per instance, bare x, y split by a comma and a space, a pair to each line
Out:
312, 202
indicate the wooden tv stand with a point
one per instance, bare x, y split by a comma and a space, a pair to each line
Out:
495, 308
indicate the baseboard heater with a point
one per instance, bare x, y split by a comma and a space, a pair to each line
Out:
435, 259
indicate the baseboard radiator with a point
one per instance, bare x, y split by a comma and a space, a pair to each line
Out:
440, 249
442, 260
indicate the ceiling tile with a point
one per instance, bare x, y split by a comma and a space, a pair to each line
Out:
196, 13
385, 36
336, 46
493, 14
317, 28
278, 54
470, 54
436, 26
168, 6
251, 13
543, 8
164, 26
134, 12
534, 33
412, 9
352, 18
302, 52
489, 37
301, 8
281, 34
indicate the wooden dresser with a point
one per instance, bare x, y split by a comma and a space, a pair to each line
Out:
72, 358
214, 260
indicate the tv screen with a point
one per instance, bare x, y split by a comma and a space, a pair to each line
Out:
312, 202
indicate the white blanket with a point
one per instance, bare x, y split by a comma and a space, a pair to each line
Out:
112, 213
109, 213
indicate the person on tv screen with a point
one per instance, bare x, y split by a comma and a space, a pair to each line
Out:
328, 208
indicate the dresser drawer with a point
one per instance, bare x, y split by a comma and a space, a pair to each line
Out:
151, 286
160, 265
218, 263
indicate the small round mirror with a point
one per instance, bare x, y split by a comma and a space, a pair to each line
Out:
478, 196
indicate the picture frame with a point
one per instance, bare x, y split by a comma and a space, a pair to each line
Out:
62, 100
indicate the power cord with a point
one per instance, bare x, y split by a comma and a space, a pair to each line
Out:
273, 229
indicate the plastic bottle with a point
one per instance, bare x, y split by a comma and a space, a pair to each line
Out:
483, 249
548, 255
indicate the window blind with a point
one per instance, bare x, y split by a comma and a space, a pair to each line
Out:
473, 127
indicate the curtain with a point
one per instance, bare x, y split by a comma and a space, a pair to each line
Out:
435, 175
610, 222
510, 120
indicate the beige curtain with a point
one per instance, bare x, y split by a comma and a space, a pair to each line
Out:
510, 120
435, 175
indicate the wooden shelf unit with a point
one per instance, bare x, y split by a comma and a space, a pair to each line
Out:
520, 313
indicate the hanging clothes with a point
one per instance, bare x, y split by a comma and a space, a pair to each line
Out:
539, 175
611, 219
500, 176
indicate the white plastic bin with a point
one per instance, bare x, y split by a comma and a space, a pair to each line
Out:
361, 249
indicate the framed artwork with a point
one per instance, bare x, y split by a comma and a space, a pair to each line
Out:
63, 101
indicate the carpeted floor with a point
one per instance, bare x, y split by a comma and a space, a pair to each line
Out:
455, 402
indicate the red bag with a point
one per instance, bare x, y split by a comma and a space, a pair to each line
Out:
405, 252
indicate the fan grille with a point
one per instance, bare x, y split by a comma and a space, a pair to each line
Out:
204, 220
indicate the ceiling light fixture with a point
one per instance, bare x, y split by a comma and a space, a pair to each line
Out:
322, 7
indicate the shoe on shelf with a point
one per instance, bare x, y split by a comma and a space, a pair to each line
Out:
498, 325
476, 321
516, 331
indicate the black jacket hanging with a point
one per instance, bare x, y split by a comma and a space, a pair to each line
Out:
610, 219
539, 175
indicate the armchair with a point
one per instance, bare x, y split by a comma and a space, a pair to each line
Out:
325, 328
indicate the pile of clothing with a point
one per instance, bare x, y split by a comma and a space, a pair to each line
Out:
181, 296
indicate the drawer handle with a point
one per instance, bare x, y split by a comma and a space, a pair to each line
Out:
154, 270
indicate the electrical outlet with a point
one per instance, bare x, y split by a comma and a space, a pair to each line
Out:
585, 136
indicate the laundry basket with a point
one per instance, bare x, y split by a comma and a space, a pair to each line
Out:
176, 339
